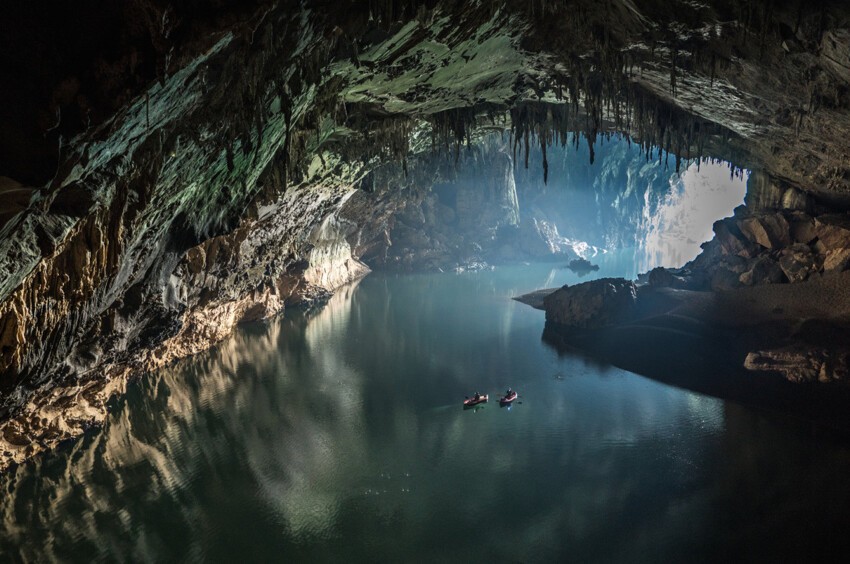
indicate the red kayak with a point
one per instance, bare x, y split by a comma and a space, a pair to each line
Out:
469, 402
505, 400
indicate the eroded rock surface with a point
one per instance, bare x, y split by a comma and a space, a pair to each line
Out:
590, 305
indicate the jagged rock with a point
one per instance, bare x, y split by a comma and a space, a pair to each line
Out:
764, 270
732, 241
835, 52
797, 262
593, 304
801, 364
802, 228
535, 299
735, 264
837, 260
661, 277
833, 231
769, 231
723, 272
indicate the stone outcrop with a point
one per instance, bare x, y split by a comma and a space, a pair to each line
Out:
765, 247
802, 364
591, 305
582, 266
769, 231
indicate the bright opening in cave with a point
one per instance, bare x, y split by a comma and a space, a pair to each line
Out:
623, 208
681, 222
631, 205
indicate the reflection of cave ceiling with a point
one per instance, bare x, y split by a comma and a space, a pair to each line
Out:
168, 168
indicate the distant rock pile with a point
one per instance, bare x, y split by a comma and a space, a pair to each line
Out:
766, 247
582, 267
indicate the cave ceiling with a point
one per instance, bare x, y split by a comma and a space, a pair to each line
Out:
763, 84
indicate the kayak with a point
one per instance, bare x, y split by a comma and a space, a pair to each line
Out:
469, 402
505, 400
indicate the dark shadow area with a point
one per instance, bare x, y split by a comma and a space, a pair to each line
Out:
689, 354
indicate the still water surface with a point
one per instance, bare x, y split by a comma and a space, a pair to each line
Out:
338, 436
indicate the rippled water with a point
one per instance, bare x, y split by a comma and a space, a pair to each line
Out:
338, 436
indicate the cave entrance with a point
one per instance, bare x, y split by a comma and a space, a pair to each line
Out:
631, 204
626, 206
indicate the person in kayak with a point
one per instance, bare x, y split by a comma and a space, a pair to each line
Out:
508, 393
477, 396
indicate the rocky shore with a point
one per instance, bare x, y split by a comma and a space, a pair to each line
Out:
762, 315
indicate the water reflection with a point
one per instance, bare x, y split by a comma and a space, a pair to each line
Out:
338, 435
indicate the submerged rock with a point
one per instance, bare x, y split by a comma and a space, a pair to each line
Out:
537, 298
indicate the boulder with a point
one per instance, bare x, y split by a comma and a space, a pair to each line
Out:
770, 230
837, 260
833, 231
802, 228
764, 270
593, 304
735, 263
674, 278
660, 276
732, 241
797, 262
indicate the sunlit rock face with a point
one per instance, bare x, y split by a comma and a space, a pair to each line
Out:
167, 171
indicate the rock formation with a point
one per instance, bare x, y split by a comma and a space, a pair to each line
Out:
591, 305
168, 170
582, 267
